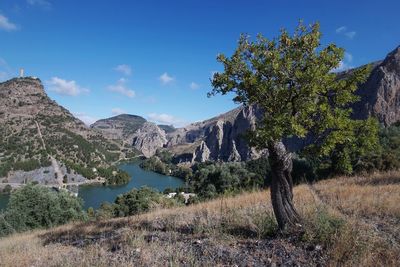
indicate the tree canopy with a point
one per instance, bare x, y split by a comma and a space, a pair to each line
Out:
292, 80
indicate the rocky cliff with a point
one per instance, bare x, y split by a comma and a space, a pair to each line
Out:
133, 131
221, 138
218, 139
380, 94
148, 139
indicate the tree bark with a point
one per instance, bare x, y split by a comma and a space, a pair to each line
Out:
282, 186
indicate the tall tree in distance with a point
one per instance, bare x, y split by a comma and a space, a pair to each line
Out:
291, 79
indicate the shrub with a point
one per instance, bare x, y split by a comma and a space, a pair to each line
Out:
323, 227
136, 201
34, 206
7, 189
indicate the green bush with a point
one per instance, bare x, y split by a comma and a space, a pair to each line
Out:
28, 165
136, 201
34, 206
323, 228
7, 189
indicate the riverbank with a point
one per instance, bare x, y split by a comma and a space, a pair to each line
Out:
94, 192
96, 181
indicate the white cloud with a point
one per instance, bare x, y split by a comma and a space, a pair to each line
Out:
41, 3
87, 119
121, 88
65, 87
117, 111
165, 119
6, 25
124, 69
351, 34
345, 64
343, 30
194, 86
166, 79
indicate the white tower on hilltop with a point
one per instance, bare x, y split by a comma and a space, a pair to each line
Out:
21, 72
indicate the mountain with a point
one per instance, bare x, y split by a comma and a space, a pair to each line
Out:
133, 131
380, 94
120, 126
221, 138
38, 133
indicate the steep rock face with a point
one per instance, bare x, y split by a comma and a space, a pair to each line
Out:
221, 138
134, 131
148, 139
202, 153
380, 94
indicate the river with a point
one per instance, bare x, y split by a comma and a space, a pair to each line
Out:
94, 195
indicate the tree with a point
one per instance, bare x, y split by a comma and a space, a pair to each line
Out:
291, 80
35, 206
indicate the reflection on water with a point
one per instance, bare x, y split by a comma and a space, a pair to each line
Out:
93, 196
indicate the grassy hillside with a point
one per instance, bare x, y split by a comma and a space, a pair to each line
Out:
34, 129
346, 221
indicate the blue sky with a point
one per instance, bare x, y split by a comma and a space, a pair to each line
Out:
155, 58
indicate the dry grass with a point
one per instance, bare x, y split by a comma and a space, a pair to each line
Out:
375, 195
355, 222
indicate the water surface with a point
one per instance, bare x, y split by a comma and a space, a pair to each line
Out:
94, 195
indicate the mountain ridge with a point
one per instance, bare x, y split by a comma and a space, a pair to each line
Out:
221, 137
36, 132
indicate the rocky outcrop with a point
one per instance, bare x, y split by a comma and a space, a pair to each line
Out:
134, 131
380, 94
219, 139
222, 138
148, 139
202, 153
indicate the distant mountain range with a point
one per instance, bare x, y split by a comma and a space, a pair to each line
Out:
221, 138
25, 109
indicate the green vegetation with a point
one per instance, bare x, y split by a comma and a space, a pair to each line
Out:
114, 176
34, 206
386, 156
290, 80
162, 163
135, 202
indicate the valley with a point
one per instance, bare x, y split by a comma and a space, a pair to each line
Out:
199, 134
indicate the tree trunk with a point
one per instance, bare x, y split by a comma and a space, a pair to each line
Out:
282, 186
